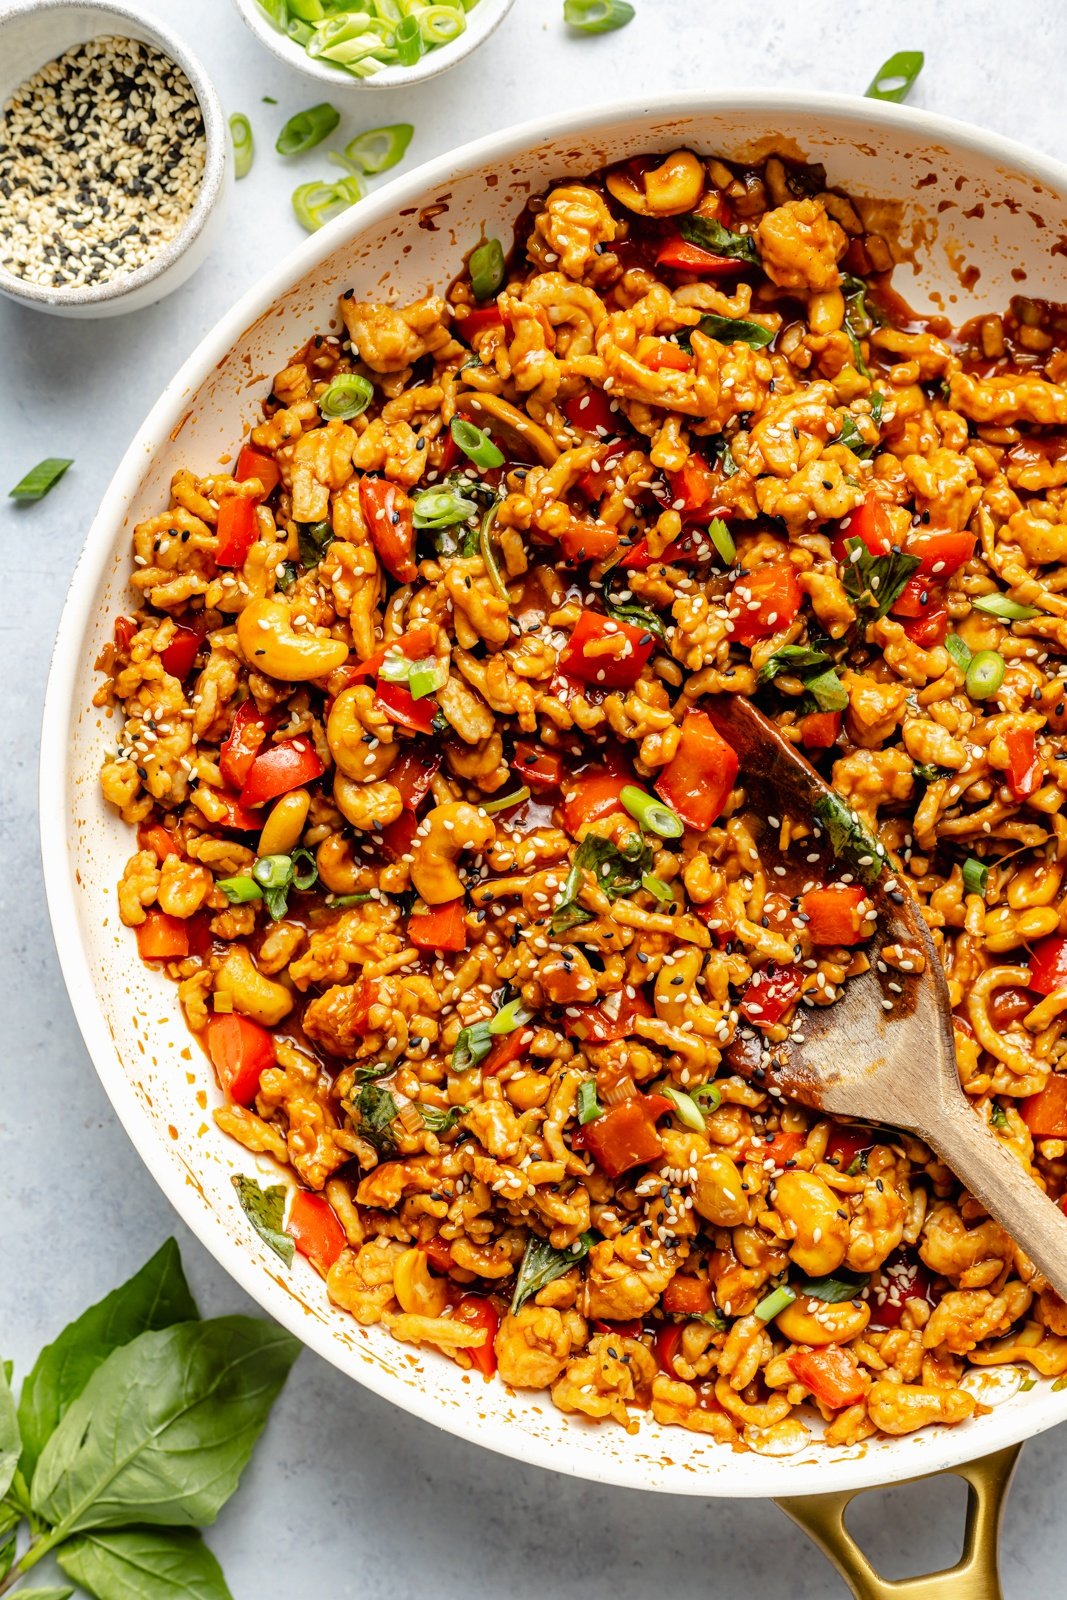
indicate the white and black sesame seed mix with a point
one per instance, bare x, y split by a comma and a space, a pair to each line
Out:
101, 157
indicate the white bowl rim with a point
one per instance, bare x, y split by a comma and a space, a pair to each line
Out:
216, 132
431, 65
925, 1453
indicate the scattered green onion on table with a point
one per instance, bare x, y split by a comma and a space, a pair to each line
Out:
597, 16
896, 77
244, 148
40, 479
306, 129
365, 41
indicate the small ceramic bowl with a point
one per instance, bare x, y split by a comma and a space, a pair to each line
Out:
481, 22
36, 32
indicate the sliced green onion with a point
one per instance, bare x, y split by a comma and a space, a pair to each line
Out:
396, 666
1001, 605
589, 1107
723, 540
476, 444
959, 650
510, 1017
306, 129
357, 43
657, 887
427, 676
471, 1047
440, 24
828, 690
486, 268
410, 44
773, 1304
651, 813
975, 876
689, 1113
488, 554
597, 16
318, 203
895, 77
273, 872
379, 148
307, 10
240, 890
277, 11
708, 1097
244, 148
37, 482
985, 674
441, 508
517, 797
350, 899
1061, 1383
347, 396
300, 32
307, 878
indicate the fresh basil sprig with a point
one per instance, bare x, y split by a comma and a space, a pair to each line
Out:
617, 870
265, 1210
542, 1265
709, 234
132, 1428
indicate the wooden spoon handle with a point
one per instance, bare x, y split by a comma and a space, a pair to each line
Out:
992, 1174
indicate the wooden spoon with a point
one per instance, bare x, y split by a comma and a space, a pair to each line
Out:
885, 1051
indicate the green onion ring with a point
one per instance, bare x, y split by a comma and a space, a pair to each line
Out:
985, 674
476, 444
347, 396
244, 148
306, 129
652, 813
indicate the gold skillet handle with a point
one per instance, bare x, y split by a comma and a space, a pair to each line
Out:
974, 1577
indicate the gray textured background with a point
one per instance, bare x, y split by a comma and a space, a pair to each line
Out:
347, 1497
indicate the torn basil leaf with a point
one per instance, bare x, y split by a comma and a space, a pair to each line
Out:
265, 1210
441, 1121
616, 870
542, 1265
849, 838
827, 690
791, 658
872, 583
376, 1111
708, 234
730, 330
631, 611
314, 539
836, 1287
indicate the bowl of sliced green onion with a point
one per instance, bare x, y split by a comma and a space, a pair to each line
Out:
377, 44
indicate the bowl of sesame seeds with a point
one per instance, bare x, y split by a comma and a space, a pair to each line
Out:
114, 158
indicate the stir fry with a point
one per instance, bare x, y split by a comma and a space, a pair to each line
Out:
460, 881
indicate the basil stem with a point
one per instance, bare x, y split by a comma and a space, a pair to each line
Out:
306, 129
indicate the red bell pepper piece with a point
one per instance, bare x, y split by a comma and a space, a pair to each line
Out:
666, 1345
253, 463
687, 1296
442, 927
314, 1227
595, 484
698, 780
594, 412
834, 914
201, 937
931, 628
387, 512
412, 773
508, 1048
689, 550
125, 628
622, 1330
941, 551
830, 1373
240, 1050
162, 938
918, 597
235, 814
289, 764
595, 1025
770, 993
667, 354
845, 1144
693, 488
236, 530
248, 730
1045, 1113
1048, 963
766, 600
869, 522
1024, 763
902, 1278
596, 795
476, 322
415, 643
477, 1312
588, 541
154, 836
438, 1252
584, 659
679, 255
819, 730
538, 768
625, 1136
398, 838
180, 654
400, 705
782, 1149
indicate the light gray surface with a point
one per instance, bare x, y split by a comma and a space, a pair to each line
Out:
346, 1497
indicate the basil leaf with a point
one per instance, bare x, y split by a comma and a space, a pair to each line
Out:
617, 872
827, 691
10, 1442
850, 838
872, 583
791, 658
732, 330
164, 1428
155, 1297
719, 449
314, 539
471, 1047
265, 1210
630, 610
51, 1593
542, 1265
835, 1287
851, 436
138, 1562
376, 1111
860, 320
708, 234
441, 1121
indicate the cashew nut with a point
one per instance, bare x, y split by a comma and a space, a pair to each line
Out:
270, 644
366, 805
252, 994
360, 738
281, 832
447, 830
676, 185
416, 1288
820, 1234
717, 1194
817, 1322
339, 869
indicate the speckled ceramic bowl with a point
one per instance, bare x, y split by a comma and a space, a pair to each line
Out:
986, 218
36, 32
